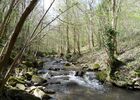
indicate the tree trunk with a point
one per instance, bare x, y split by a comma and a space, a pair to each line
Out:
16, 33
78, 44
114, 23
68, 44
74, 40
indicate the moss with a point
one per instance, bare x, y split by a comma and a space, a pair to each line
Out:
96, 67
138, 73
102, 75
37, 79
13, 81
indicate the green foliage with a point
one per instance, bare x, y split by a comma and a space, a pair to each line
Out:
102, 75
138, 73
37, 79
110, 35
96, 66
13, 81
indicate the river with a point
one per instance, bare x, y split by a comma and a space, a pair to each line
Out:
71, 87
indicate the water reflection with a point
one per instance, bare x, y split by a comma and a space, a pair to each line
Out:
84, 93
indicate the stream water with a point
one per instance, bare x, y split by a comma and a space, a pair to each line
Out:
71, 87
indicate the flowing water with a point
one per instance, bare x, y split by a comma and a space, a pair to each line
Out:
73, 87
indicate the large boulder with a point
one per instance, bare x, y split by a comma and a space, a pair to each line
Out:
38, 80
15, 94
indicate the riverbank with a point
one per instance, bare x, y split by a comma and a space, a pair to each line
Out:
128, 75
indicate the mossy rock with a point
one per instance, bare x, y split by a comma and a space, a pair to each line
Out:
38, 79
28, 63
13, 81
119, 83
102, 75
15, 94
96, 67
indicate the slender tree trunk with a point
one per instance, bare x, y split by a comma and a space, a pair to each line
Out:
78, 43
74, 40
67, 30
3, 25
68, 44
92, 39
16, 33
61, 40
112, 46
114, 24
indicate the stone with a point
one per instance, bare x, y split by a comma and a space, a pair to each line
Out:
15, 94
67, 64
38, 79
80, 73
20, 86
96, 67
13, 81
30, 89
136, 81
40, 94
